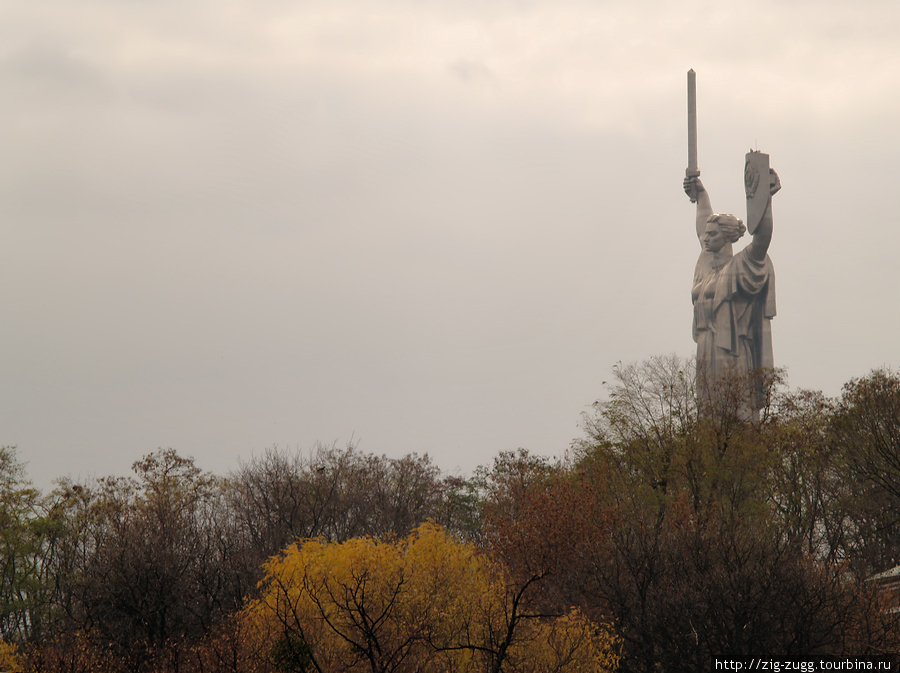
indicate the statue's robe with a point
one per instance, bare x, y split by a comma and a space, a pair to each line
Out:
733, 309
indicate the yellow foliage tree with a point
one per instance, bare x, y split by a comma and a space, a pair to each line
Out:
423, 604
9, 658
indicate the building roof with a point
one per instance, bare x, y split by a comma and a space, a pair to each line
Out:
893, 573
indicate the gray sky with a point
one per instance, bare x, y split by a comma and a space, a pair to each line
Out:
426, 226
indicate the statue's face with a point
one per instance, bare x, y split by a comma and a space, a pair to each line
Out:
713, 237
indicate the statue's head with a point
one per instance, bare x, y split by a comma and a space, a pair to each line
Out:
723, 226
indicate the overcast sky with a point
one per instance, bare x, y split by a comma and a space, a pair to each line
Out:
417, 225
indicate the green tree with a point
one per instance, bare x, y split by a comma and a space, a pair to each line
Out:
25, 531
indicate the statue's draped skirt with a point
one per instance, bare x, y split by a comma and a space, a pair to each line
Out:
733, 309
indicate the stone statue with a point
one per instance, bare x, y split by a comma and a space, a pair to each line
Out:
734, 294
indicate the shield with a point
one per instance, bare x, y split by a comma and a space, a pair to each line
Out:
756, 186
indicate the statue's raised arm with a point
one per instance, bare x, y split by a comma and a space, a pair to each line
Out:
762, 233
696, 192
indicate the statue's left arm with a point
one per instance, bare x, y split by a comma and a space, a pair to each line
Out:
759, 246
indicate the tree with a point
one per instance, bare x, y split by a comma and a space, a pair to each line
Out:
810, 491
425, 603
145, 569
10, 661
867, 424
722, 525
147, 572
339, 494
662, 435
865, 434
686, 590
24, 533
542, 520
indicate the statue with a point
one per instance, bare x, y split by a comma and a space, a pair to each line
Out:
733, 294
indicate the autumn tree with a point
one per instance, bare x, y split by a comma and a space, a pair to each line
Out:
10, 660
660, 433
865, 435
147, 566
542, 520
711, 540
147, 572
810, 492
425, 603
341, 493
696, 529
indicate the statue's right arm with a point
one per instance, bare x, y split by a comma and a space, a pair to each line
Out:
694, 188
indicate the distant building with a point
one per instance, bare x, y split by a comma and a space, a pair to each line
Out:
888, 585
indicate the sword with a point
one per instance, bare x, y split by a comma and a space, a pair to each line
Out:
692, 171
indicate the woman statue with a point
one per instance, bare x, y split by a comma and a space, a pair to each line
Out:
733, 295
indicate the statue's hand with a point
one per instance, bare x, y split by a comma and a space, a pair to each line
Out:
693, 187
774, 182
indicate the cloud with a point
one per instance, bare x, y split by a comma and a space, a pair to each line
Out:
435, 225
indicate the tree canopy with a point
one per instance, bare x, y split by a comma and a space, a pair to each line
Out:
677, 530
